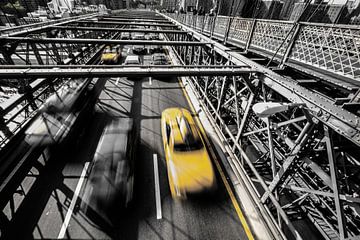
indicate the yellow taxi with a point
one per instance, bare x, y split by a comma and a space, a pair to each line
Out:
188, 162
111, 55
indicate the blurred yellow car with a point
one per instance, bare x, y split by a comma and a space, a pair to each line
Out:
188, 162
111, 55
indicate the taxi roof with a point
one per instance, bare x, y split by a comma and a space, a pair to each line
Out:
182, 125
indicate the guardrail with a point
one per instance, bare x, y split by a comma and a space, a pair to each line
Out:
331, 48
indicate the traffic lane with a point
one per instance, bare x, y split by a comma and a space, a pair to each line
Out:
144, 100
116, 98
207, 217
193, 219
47, 191
49, 186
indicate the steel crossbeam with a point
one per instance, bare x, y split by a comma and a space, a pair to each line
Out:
126, 23
120, 71
122, 19
97, 41
41, 27
78, 28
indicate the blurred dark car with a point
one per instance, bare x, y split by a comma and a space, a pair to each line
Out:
156, 49
159, 59
139, 49
109, 189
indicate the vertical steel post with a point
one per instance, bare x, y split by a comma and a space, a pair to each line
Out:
37, 54
244, 119
333, 172
252, 30
291, 44
236, 104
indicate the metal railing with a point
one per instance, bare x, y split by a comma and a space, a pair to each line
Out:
334, 49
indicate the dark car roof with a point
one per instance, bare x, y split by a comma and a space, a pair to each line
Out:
114, 140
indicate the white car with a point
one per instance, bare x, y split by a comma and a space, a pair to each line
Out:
132, 60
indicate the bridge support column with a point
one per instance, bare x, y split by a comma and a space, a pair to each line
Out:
333, 171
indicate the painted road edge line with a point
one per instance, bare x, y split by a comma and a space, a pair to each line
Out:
73, 202
157, 188
227, 186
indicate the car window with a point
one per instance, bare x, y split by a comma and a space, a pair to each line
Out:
168, 132
107, 50
190, 144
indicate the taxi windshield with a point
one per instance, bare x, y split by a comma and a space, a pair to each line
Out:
108, 50
189, 144
190, 140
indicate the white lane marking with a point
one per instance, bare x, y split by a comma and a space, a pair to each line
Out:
150, 80
157, 188
117, 81
73, 202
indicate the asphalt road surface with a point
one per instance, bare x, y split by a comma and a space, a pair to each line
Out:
47, 206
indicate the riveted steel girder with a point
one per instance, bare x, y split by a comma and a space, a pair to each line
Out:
117, 29
119, 71
97, 41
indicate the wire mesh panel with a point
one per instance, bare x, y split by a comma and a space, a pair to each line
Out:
240, 30
270, 35
181, 18
189, 19
335, 49
207, 23
200, 23
221, 25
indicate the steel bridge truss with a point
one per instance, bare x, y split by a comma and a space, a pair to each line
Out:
298, 163
24, 103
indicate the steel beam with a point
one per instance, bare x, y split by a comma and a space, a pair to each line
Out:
98, 41
127, 23
119, 71
283, 171
40, 27
333, 172
78, 28
122, 19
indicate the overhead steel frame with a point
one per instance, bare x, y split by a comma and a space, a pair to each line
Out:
96, 22
78, 28
51, 46
8, 40
302, 162
32, 92
92, 71
122, 19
